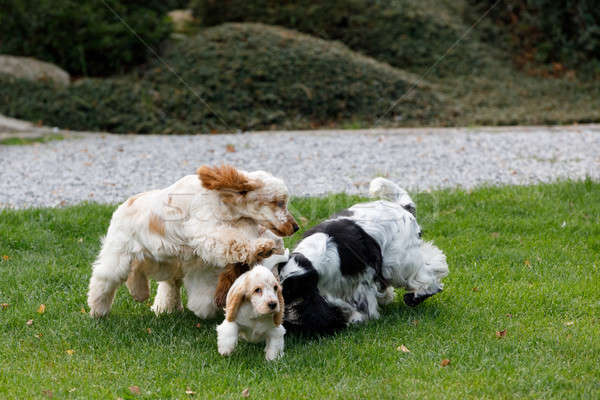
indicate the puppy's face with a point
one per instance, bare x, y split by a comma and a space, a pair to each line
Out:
261, 289
256, 195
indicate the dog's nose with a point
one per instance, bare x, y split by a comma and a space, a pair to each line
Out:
296, 227
272, 305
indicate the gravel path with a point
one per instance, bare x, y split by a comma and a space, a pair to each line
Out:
109, 168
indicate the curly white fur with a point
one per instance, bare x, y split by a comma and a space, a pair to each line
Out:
186, 233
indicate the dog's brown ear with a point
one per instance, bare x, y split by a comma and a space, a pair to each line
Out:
226, 279
278, 317
235, 297
226, 177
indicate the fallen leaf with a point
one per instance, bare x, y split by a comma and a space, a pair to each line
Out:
563, 224
403, 349
415, 322
149, 330
72, 390
38, 335
230, 148
528, 263
509, 315
80, 240
569, 323
135, 389
70, 352
83, 310
29, 322
445, 362
476, 289
198, 325
189, 391
4, 305
501, 334
246, 392
41, 309
495, 235
47, 393
5, 257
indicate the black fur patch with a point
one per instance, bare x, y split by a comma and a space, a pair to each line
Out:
357, 250
412, 301
307, 312
411, 209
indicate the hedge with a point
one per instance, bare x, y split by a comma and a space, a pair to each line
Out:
83, 37
253, 76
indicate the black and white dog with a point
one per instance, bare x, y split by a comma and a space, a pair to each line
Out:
348, 265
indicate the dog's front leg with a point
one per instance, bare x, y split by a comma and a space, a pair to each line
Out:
227, 337
275, 343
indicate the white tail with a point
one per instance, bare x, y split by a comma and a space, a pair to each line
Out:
381, 188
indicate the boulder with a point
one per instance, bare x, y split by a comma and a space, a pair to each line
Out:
32, 69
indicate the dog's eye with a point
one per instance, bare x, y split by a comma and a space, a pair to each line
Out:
257, 290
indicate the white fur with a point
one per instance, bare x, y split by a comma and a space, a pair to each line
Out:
254, 321
201, 234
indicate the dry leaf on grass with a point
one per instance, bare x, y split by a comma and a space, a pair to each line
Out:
149, 330
445, 362
476, 289
246, 392
403, 349
501, 334
569, 323
72, 390
189, 391
4, 305
5, 257
47, 393
83, 310
528, 263
198, 325
70, 352
29, 322
135, 389
41, 309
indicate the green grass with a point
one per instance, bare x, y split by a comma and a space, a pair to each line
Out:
22, 141
513, 266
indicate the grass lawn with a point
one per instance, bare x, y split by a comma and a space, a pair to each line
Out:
524, 260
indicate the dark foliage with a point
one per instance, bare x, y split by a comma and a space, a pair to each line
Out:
83, 37
253, 76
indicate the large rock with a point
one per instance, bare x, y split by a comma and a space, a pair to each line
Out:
32, 69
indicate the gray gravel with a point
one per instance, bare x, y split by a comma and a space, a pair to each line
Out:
110, 168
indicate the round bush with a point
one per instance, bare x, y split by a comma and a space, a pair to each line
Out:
253, 76
404, 33
83, 37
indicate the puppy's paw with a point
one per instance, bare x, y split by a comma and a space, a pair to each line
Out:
273, 353
263, 248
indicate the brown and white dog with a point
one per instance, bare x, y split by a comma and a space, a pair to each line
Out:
188, 233
254, 312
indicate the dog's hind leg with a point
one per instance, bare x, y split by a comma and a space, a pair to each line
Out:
168, 297
110, 270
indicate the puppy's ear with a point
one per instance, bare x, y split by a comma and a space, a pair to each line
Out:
278, 317
235, 297
226, 279
227, 178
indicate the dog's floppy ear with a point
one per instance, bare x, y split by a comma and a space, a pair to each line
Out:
226, 177
278, 317
235, 297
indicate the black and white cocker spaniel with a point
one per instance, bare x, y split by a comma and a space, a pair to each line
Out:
348, 265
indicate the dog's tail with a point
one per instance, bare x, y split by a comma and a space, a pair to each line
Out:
307, 312
381, 188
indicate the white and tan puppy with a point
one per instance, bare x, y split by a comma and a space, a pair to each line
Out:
254, 312
187, 234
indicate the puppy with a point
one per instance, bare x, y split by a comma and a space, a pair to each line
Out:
348, 265
254, 312
187, 234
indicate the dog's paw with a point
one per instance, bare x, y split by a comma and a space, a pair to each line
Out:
273, 353
263, 249
225, 350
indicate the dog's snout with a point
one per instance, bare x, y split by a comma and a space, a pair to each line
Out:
272, 305
295, 227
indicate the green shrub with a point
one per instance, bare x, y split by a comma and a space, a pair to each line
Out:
83, 37
253, 76
407, 34
545, 31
